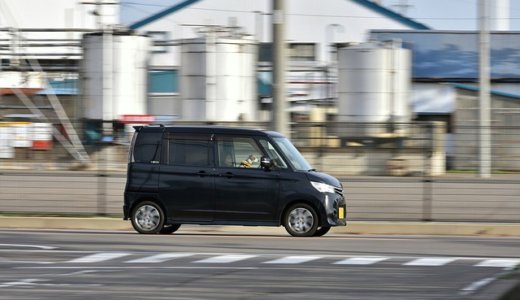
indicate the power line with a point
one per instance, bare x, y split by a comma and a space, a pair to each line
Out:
144, 4
323, 15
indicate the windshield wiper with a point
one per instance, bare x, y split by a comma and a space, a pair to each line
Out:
312, 170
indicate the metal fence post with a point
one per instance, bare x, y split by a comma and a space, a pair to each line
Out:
102, 181
427, 174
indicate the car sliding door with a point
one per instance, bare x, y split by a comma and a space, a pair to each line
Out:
187, 179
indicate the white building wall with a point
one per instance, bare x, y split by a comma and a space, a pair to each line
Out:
433, 98
55, 13
499, 15
52, 14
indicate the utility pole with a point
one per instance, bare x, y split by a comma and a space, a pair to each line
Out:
484, 88
280, 119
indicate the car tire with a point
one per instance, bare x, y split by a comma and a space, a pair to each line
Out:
301, 220
321, 231
148, 217
169, 229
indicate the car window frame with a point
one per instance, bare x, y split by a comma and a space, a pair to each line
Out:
170, 136
136, 142
257, 146
282, 155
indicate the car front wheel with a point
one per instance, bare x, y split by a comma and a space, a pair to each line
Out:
301, 220
148, 217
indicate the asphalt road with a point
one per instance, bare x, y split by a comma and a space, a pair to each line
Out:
193, 264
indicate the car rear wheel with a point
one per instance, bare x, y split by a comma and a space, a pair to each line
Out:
321, 231
148, 217
169, 229
301, 220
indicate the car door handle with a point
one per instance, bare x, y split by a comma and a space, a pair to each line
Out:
227, 174
202, 173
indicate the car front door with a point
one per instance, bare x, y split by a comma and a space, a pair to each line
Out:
245, 192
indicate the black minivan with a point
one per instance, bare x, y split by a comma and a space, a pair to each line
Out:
226, 176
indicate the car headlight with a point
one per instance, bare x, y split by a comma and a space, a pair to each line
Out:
322, 187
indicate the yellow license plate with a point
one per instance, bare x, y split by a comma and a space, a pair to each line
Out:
341, 213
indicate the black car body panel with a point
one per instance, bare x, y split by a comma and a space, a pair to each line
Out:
205, 191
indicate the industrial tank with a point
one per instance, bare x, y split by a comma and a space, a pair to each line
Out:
114, 74
218, 78
373, 84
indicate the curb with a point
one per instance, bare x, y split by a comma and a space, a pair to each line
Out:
353, 227
435, 228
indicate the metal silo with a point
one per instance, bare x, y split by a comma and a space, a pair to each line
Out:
218, 78
373, 85
114, 74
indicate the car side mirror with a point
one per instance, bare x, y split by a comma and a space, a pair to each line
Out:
266, 162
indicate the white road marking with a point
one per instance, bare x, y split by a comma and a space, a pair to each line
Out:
361, 260
89, 257
430, 261
99, 257
293, 259
29, 262
76, 273
223, 259
159, 258
473, 287
499, 263
28, 246
33, 282
135, 268
23, 282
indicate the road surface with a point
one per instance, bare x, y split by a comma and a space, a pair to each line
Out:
193, 264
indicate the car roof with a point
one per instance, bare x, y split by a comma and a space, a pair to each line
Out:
208, 129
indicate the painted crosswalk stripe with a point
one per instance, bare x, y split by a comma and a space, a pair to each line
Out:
159, 258
99, 257
360, 260
222, 259
499, 263
293, 259
430, 261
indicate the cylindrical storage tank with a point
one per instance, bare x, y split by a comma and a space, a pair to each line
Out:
218, 79
114, 75
373, 84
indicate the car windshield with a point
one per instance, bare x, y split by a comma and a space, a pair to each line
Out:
292, 154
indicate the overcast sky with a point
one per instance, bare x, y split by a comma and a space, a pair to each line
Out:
438, 14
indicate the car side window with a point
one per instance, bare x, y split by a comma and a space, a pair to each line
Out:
273, 154
189, 151
147, 147
238, 152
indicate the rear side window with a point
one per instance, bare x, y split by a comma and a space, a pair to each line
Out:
147, 147
186, 150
